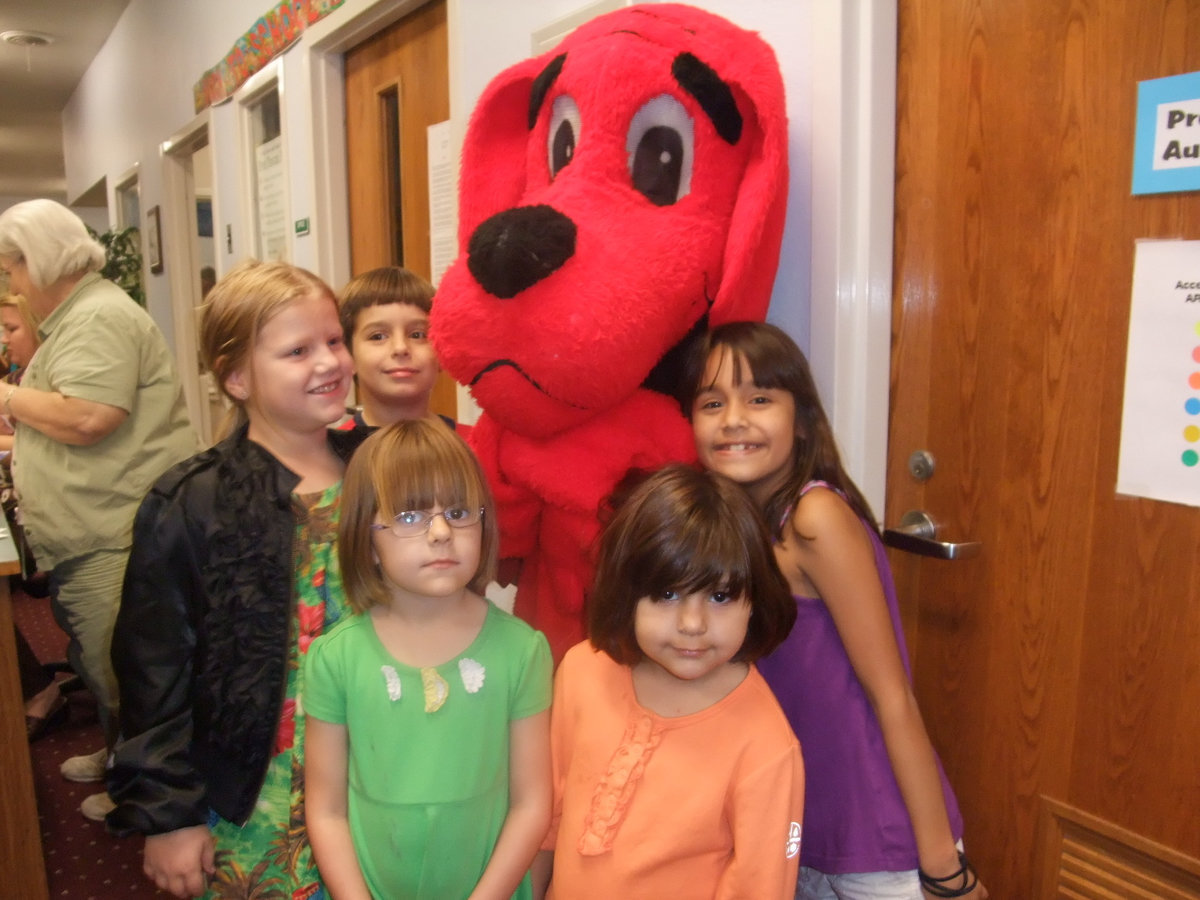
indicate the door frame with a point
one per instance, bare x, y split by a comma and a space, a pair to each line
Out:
179, 255
853, 195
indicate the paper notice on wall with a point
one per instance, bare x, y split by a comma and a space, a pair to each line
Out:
443, 214
1160, 424
272, 200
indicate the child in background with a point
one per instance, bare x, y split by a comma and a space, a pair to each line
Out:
385, 319
428, 746
880, 819
675, 772
233, 574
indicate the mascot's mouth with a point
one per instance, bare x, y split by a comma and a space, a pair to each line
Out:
501, 363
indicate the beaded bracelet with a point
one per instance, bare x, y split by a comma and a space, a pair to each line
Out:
941, 887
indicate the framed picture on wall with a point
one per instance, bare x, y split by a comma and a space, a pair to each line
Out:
154, 240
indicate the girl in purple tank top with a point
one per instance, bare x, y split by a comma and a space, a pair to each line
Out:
880, 819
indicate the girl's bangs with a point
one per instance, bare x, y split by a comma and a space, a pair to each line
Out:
425, 479
688, 560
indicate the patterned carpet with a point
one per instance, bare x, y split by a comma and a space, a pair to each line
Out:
83, 861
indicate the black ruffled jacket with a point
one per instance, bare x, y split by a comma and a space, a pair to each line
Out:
201, 641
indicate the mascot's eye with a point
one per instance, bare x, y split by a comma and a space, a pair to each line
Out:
564, 133
660, 144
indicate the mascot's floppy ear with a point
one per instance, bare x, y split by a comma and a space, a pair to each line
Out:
756, 226
493, 176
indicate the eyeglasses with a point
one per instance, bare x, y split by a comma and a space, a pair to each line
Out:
416, 522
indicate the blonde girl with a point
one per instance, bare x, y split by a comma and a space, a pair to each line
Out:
233, 573
428, 755
19, 325
880, 820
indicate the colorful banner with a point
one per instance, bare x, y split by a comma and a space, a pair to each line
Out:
266, 39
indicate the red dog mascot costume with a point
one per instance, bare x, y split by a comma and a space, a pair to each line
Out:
619, 195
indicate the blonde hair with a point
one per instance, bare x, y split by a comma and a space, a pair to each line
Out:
415, 464
237, 308
51, 239
29, 318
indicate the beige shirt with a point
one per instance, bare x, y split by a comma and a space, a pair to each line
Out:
98, 345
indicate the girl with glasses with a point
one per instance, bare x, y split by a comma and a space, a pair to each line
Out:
428, 761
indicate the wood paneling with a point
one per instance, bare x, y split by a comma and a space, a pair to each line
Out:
409, 59
20, 834
1083, 856
1063, 660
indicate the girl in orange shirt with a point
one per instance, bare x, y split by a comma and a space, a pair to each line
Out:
675, 771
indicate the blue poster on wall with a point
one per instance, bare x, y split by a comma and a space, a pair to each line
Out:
1166, 152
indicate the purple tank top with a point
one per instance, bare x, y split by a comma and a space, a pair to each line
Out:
854, 817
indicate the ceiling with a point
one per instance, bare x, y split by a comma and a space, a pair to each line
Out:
37, 82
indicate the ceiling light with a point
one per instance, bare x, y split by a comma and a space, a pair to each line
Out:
27, 38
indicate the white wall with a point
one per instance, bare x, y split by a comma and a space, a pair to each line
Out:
138, 92
95, 216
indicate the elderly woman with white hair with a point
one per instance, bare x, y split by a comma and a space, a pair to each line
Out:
99, 415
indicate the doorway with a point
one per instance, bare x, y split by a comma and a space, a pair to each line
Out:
397, 85
191, 266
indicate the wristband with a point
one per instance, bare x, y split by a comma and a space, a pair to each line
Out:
958, 884
8, 401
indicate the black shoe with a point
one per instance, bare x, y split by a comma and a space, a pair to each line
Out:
36, 726
37, 585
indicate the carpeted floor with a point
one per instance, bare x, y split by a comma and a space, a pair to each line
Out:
83, 861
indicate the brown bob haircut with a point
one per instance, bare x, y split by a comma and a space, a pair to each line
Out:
416, 464
686, 530
378, 287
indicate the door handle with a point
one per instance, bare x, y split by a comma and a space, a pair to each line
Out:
917, 533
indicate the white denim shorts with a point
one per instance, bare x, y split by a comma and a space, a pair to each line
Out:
814, 885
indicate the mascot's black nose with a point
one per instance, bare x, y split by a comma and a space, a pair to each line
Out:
519, 247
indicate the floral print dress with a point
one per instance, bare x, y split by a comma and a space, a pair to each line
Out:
270, 857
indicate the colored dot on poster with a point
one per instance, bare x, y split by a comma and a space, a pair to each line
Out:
1194, 381
1192, 406
1190, 457
1196, 328
1191, 434
1196, 354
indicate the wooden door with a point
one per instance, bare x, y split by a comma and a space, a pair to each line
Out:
397, 85
1059, 671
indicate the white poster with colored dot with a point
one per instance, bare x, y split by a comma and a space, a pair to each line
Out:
1160, 423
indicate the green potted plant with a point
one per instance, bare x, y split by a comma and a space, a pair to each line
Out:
123, 248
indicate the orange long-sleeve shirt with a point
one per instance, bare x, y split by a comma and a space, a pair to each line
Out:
705, 805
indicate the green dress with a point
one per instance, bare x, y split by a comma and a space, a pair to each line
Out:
429, 749
270, 857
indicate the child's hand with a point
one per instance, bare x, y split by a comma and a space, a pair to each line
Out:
180, 861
